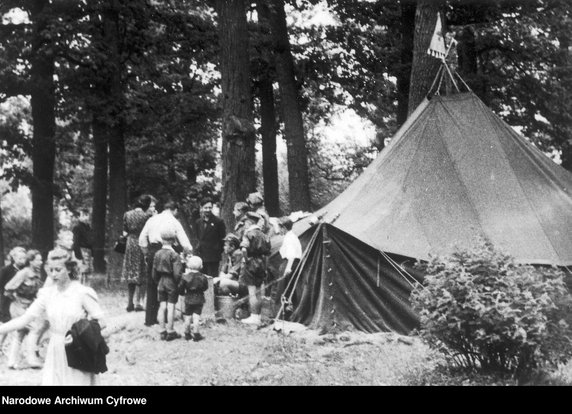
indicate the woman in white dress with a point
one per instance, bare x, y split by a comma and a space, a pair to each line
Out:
63, 301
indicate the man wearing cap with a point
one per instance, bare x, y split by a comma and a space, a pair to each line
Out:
256, 204
210, 231
150, 242
230, 267
255, 246
239, 213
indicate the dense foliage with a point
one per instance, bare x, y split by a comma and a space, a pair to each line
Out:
348, 56
490, 314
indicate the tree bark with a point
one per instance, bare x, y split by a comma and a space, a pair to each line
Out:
565, 129
117, 203
467, 59
44, 125
424, 67
407, 26
298, 176
2, 255
268, 124
99, 193
238, 135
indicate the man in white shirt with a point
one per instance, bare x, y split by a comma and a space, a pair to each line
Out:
290, 250
291, 254
150, 242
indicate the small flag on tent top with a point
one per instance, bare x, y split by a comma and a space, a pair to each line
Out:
437, 47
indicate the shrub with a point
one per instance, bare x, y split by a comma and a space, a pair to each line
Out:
487, 313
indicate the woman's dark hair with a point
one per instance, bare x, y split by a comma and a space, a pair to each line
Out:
31, 255
206, 200
171, 205
144, 201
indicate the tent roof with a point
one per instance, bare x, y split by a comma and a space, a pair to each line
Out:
452, 171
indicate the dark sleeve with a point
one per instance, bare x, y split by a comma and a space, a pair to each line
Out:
204, 283
4, 277
76, 240
198, 234
125, 229
177, 267
181, 287
221, 235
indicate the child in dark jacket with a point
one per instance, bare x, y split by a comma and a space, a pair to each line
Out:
167, 270
192, 286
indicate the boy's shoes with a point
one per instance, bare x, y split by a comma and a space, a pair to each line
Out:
197, 337
253, 319
139, 308
173, 335
163, 335
130, 308
188, 336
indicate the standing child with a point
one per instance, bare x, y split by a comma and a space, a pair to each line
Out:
255, 246
193, 286
167, 270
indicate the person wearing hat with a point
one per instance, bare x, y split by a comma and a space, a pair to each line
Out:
255, 246
256, 205
167, 272
231, 264
239, 213
210, 231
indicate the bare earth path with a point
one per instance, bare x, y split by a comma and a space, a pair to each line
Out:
234, 354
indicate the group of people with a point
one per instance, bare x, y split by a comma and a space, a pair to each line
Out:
159, 265
32, 304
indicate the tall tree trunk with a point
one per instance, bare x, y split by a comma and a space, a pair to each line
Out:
2, 255
565, 125
407, 30
298, 177
117, 175
44, 124
99, 193
238, 135
467, 60
268, 125
424, 67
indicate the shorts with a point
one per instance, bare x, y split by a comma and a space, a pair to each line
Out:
167, 290
189, 309
253, 273
242, 290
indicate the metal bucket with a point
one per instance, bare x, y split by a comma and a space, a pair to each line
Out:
225, 306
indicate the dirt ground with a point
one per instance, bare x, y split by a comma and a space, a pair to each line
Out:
237, 354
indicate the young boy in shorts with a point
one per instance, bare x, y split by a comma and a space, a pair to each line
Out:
192, 286
167, 271
255, 247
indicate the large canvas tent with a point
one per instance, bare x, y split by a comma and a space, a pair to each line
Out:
453, 171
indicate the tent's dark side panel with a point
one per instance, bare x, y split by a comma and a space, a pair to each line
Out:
344, 283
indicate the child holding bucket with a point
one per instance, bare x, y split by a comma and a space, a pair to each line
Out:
192, 286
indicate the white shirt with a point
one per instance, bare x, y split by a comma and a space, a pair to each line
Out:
291, 247
151, 232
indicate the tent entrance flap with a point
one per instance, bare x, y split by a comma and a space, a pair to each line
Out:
346, 284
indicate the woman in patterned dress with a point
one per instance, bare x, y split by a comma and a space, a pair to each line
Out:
63, 302
134, 259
